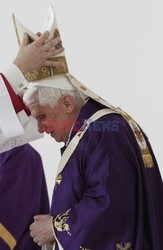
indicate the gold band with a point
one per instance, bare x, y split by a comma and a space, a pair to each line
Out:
7, 237
46, 72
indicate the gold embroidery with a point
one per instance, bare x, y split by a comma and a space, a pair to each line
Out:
148, 160
7, 237
123, 246
146, 155
46, 72
60, 69
38, 74
60, 222
59, 179
52, 245
55, 35
137, 132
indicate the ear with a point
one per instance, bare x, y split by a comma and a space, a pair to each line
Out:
68, 103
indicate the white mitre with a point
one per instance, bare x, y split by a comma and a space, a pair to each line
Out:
51, 76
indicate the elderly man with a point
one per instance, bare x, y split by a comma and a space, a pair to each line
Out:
104, 196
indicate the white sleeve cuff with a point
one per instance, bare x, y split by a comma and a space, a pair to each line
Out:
15, 78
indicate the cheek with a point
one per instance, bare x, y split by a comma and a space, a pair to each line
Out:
53, 116
45, 125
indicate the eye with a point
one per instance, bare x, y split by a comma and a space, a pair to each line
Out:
41, 117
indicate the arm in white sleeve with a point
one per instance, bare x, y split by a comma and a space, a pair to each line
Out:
16, 127
15, 77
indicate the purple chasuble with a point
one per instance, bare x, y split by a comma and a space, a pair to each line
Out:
23, 194
105, 199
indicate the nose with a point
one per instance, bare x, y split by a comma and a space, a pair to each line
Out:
41, 127
44, 126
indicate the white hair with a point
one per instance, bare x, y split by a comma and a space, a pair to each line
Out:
50, 96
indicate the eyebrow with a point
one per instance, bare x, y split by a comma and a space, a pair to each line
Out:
38, 115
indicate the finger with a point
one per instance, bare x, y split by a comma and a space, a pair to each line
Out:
25, 41
32, 234
53, 52
35, 239
37, 217
41, 40
38, 34
39, 244
52, 43
31, 227
41, 240
53, 64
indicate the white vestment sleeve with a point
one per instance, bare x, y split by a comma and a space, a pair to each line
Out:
10, 125
15, 78
15, 129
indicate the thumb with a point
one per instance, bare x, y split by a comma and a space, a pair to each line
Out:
25, 41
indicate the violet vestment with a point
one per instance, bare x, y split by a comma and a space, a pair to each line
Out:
23, 194
105, 198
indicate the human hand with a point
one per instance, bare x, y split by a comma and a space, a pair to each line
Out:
41, 229
37, 54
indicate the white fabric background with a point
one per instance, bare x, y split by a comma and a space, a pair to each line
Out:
113, 46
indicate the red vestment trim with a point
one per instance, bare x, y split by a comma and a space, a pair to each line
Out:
17, 101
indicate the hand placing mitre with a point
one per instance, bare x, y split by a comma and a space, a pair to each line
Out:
37, 54
41, 229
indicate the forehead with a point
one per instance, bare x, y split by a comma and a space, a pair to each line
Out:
37, 109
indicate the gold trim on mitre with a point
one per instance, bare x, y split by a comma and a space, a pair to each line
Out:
7, 237
46, 72
51, 26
